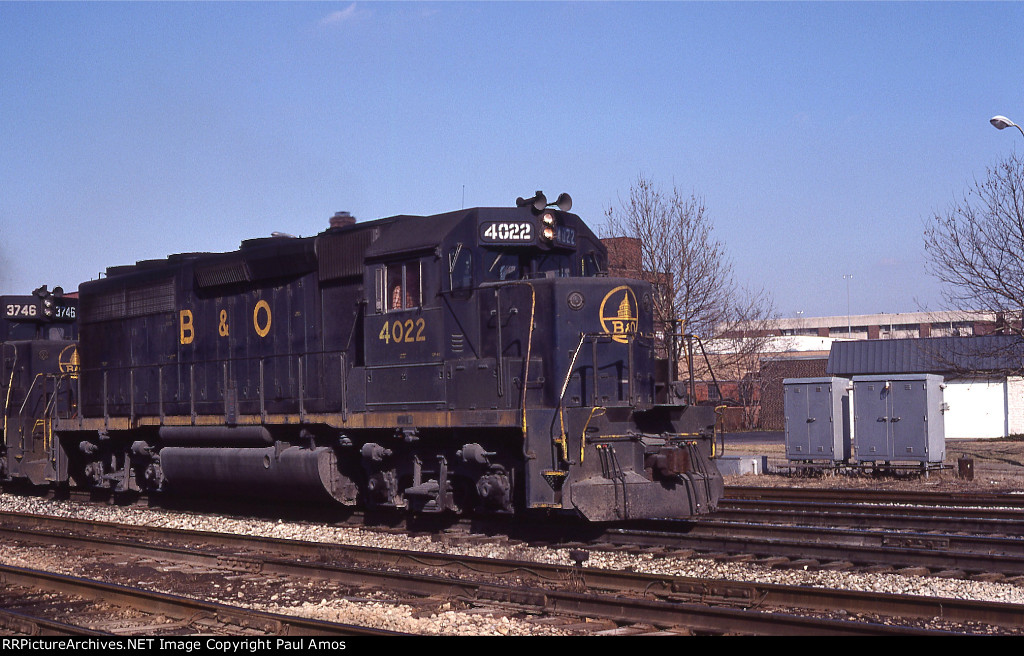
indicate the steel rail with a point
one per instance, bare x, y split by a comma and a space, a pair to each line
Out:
988, 513
978, 521
178, 606
935, 552
969, 499
1010, 549
22, 624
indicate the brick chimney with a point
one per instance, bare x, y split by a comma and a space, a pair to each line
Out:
342, 219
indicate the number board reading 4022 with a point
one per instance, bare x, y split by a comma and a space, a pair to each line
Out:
506, 231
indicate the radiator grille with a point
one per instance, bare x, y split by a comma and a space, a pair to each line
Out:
153, 298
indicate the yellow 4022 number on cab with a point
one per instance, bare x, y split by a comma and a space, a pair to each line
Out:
403, 331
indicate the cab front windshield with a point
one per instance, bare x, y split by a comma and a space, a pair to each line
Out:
505, 265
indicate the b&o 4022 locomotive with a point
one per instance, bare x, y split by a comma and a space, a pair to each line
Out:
480, 360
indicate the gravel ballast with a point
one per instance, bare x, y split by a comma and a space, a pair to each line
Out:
382, 614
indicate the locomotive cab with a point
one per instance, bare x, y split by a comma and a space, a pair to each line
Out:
507, 324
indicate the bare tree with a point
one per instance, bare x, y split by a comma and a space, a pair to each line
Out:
976, 248
742, 340
670, 243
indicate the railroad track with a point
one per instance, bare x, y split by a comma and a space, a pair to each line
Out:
940, 534
669, 602
875, 538
952, 541
137, 611
953, 499
941, 519
986, 558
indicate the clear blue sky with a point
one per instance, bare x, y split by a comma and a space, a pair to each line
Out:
820, 135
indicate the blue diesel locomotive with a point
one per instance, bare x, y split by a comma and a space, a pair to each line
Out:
480, 360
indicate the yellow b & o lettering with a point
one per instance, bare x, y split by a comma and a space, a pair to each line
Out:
187, 333
262, 329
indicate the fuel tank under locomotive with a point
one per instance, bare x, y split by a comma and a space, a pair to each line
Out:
247, 461
293, 472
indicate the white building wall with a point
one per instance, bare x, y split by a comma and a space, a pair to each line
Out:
976, 408
1015, 405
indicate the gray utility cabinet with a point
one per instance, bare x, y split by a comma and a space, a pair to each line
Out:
899, 418
817, 418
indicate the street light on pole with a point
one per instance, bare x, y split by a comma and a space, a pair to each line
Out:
1001, 122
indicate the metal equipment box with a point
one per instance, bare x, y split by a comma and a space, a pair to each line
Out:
817, 418
899, 418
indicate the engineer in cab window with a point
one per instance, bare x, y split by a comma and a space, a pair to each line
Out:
404, 280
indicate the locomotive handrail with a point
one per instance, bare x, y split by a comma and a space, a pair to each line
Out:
594, 338
50, 405
631, 339
690, 337
561, 396
59, 378
583, 435
575, 355
28, 393
210, 361
7, 403
10, 386
568, 373
499, 358
343, 364
529, 343
47, 408
227, 363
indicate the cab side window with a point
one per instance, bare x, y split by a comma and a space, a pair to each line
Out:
399, 287
592, 264
505, 266
460, 268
